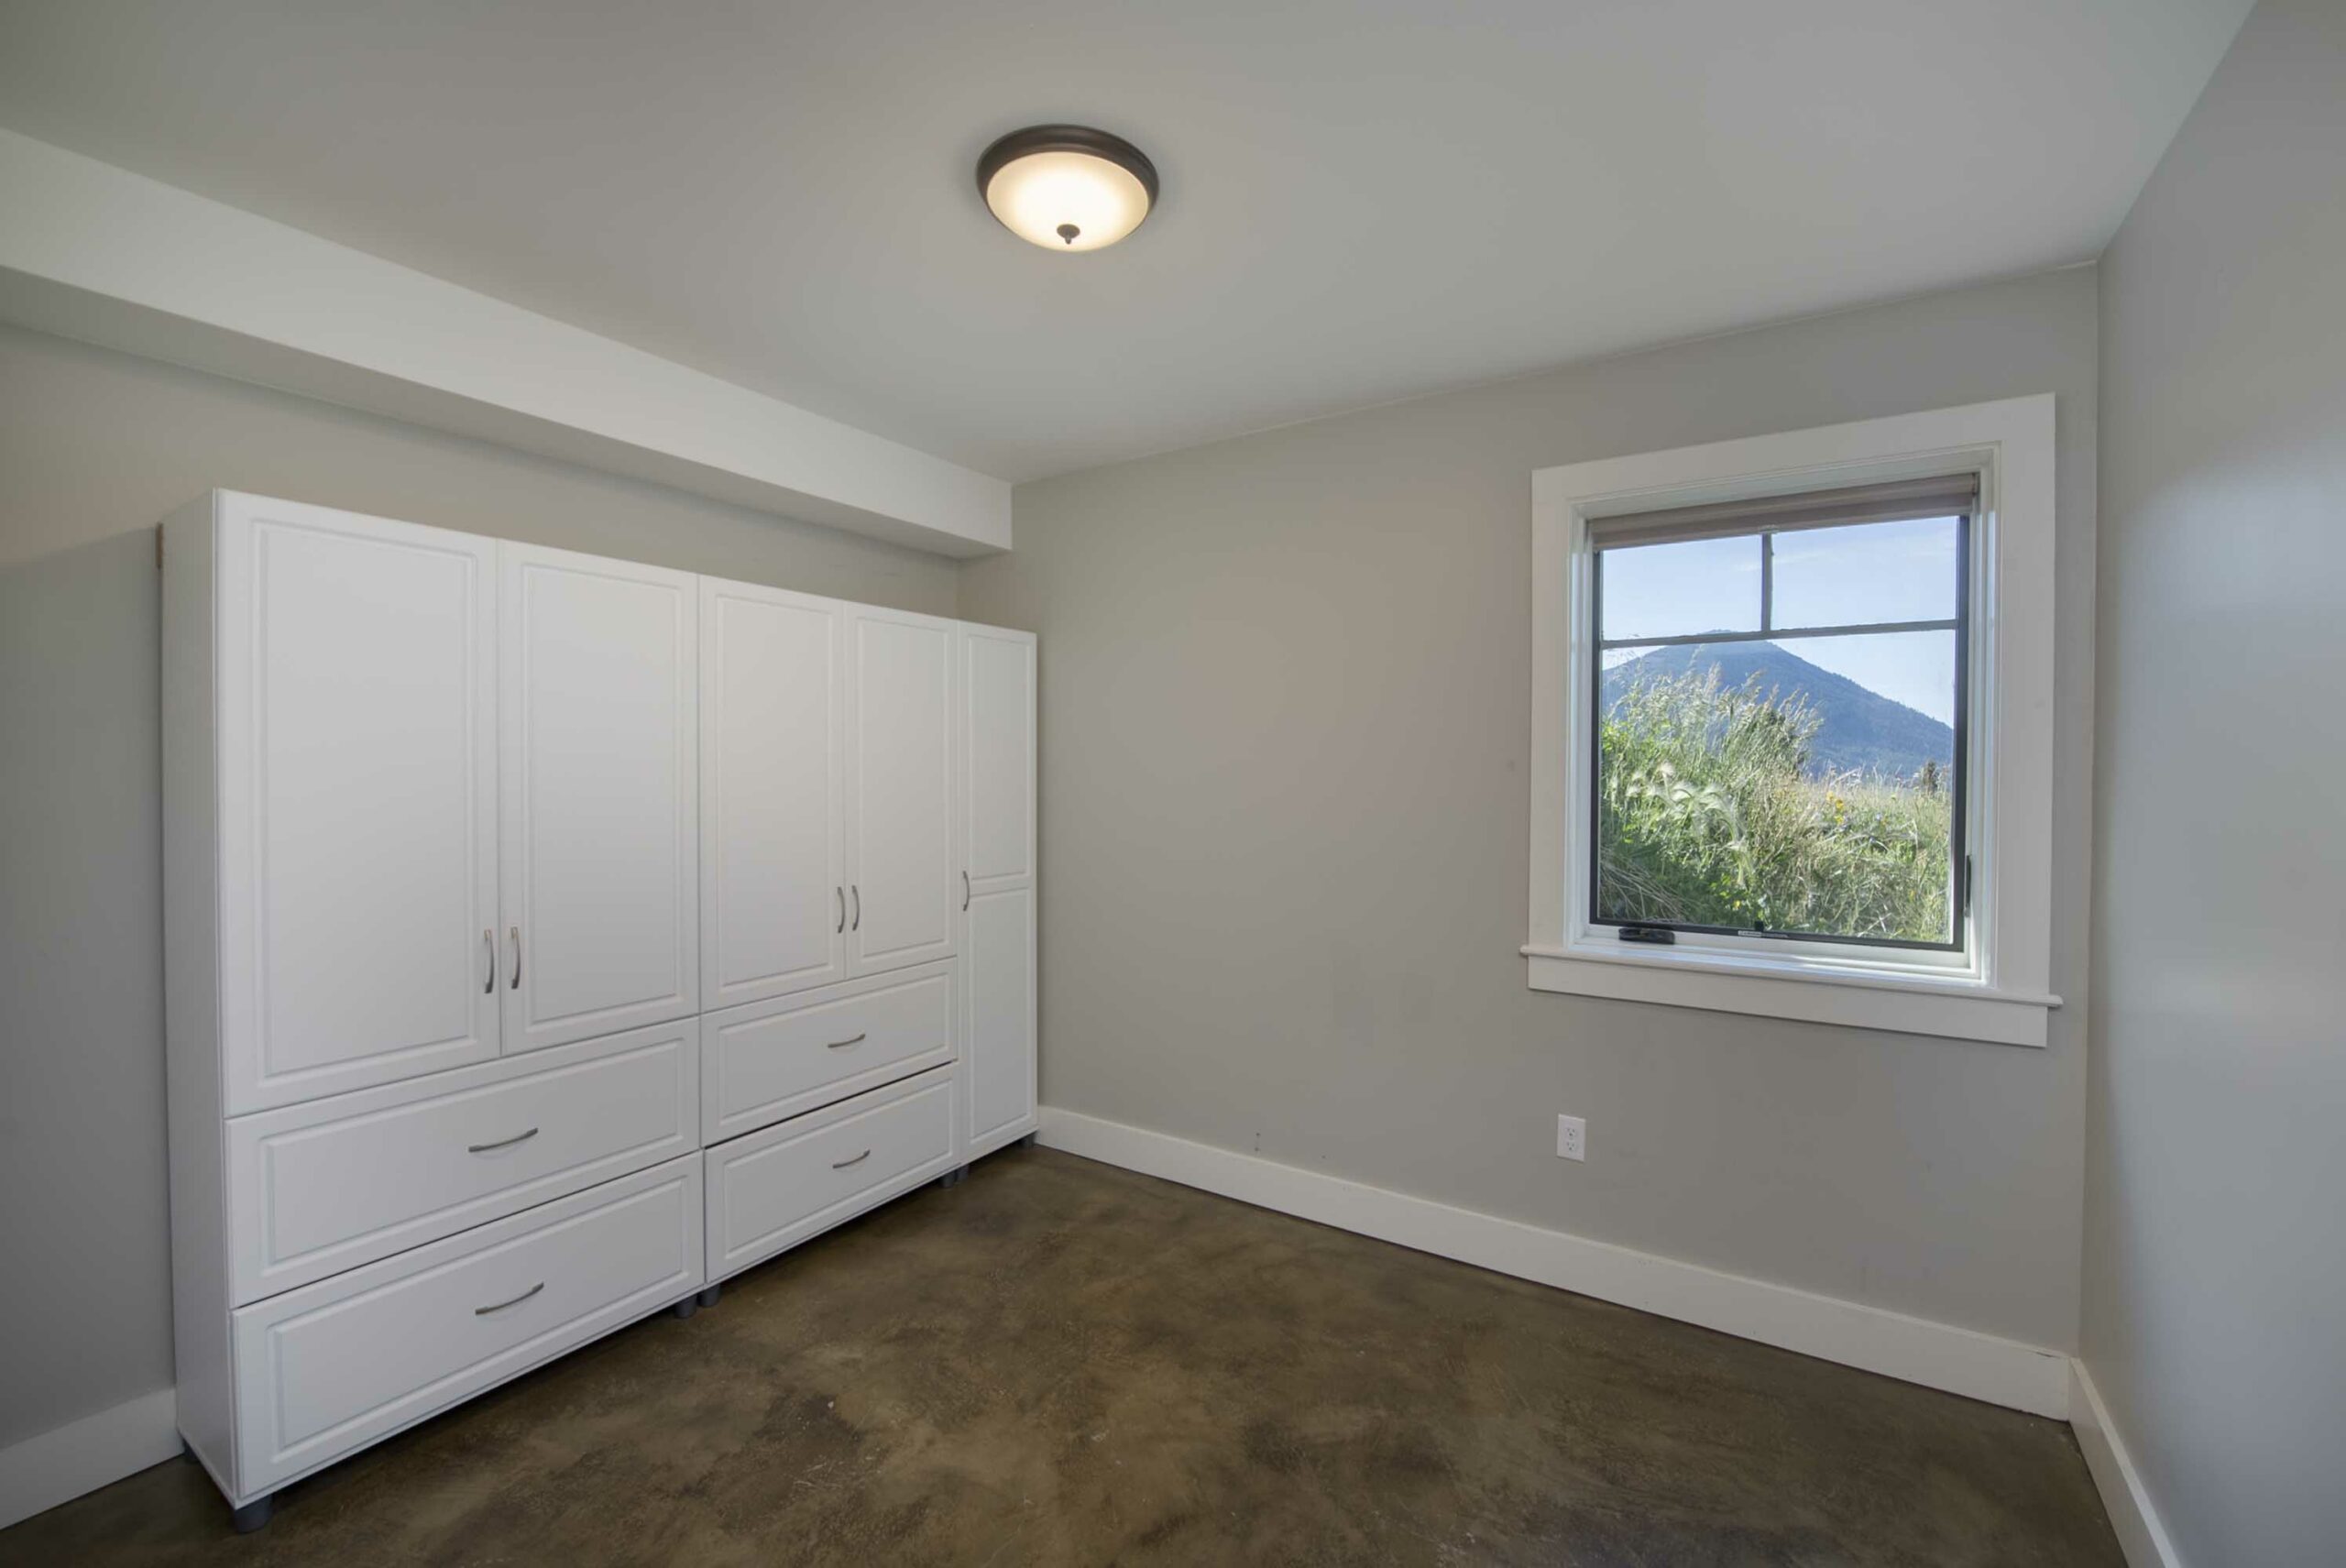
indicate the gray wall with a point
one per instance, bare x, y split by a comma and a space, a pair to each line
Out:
96, 447
2215, 1285
1285, 712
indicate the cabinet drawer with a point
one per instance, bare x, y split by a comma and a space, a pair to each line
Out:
773, 1190
773, 1059
326, 1369
317, 1189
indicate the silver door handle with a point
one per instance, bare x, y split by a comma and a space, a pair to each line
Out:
965, 893
858, 926
489, 940
500, 1306
517, 958
502, 1143
842, 925
842, 1044
843, 1164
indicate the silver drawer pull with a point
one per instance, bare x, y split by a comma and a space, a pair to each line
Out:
502, 1143
842, 1044
483, 1312
489, 940
843, 1164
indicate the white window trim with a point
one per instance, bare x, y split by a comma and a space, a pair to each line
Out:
1999, 990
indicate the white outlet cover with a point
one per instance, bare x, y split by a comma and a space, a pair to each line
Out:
1572, 1139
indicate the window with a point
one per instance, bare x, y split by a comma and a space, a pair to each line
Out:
1791, 748
1778, 721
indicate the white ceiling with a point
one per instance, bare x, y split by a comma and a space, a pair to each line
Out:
1362, 198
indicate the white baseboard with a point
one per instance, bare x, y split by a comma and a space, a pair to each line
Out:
58, 1466
1961, 1361
2131, 1515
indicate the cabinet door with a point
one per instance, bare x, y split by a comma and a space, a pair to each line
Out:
998, 1032
996, 806
902, 882
997, 718
772, 758
358, 779
600, 795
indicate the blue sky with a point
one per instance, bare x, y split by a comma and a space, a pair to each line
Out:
1823, 576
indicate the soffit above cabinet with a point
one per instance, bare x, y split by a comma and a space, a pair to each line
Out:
95, 253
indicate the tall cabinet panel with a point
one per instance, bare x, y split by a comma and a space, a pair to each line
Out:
998, 723
995, 714
355, 664
998, 1031
600, 795
903, 886
774, 836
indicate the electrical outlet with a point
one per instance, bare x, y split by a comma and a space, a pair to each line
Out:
1572, 1139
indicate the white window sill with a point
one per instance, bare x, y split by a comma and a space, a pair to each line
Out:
1956, 1007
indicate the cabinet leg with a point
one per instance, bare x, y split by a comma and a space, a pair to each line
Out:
253, 1514
187, 1454
1028, 1141
955, 1176
708, 1297
685, 1307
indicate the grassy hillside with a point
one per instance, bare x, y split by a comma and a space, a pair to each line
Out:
1712, 811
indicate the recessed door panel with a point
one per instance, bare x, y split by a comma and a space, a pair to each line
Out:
601, 797
902, 886
772, 759
999, 982
998, 693
357, 787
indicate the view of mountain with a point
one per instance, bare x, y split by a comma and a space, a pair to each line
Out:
1861, 729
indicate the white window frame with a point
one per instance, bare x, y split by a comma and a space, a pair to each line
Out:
1998, 987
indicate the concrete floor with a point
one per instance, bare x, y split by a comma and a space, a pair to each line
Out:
1060, 1362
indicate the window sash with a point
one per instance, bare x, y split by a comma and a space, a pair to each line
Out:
1931, 495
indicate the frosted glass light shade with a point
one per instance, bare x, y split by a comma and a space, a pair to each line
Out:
1067, 186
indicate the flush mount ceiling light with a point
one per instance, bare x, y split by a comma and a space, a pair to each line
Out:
1067, 186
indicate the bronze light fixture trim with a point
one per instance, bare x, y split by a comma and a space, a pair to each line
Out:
1067, 188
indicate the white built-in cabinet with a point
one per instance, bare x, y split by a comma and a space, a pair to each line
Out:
547, 937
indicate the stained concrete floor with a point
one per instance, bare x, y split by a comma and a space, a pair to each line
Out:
1059, 1362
